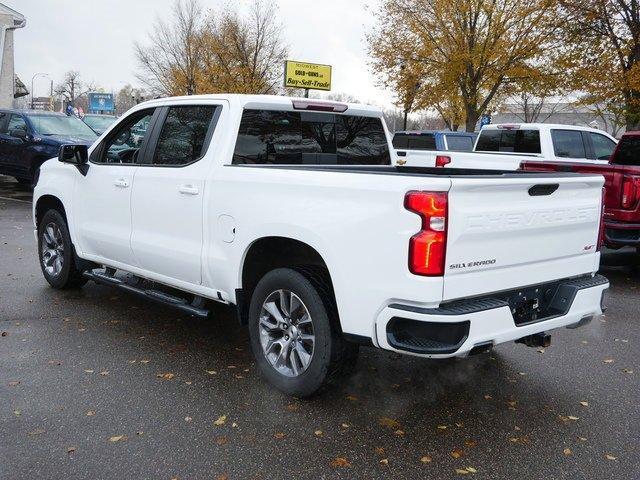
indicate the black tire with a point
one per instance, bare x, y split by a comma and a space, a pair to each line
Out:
68, 275
332, 354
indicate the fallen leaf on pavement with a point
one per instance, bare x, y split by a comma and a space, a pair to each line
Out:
88, 371
211, 372
14, 383
608, 360
352, 398
145, 361
608, 456
91, 413
627, 370
166, 376
470, 443
389, 422
584, 404
567, 452
426, 459
17, 413
279, 435
442, 427
340, 462
384, 461
318, 433
70, 450
187, 419
380, 450
399, 433
461, 471
117, 438
344, 425
582, 439
457, 453
222, 440
220, 421
104, 372
37, 431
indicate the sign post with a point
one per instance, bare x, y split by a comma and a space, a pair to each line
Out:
310, 76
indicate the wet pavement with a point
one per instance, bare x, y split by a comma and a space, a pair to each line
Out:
100, 384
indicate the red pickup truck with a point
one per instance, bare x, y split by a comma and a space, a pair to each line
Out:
622, 189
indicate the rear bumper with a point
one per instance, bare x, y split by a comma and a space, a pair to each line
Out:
620, 234
454, 329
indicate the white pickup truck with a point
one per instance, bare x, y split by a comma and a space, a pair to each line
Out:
506, 146
290, 210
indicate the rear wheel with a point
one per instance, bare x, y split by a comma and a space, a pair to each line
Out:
57, 258
295, 337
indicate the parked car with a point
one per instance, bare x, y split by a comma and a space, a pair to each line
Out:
506, 146
290, 211
622, 189
98, 123
29, 138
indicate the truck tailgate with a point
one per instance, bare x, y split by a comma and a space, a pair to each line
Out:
522, 230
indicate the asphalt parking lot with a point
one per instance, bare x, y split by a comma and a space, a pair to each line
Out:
99, 384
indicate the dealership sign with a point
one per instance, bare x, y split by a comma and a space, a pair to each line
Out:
101, 102
311, 76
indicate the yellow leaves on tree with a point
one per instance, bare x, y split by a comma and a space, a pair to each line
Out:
462, 54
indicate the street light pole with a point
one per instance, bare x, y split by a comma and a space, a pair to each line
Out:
32, 79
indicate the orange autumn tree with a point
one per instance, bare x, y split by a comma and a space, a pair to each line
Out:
464, 52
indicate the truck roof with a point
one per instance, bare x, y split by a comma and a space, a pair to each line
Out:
540, 126
267, 102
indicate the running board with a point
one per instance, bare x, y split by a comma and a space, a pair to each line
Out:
155, 295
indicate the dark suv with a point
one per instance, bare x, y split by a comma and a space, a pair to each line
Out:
28, 138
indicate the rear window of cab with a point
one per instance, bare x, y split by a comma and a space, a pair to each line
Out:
310, 138
509, 140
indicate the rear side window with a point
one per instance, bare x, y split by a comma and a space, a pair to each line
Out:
279, 137
602, 146
628, 152
568, 144
459, 144
504, 140
183, 136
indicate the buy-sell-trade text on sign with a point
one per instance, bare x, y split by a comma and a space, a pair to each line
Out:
307, 75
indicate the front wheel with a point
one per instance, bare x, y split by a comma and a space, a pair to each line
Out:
295, 336
56, 254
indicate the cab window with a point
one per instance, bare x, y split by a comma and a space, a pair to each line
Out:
602, 146
568, 144
184, 135
123, 145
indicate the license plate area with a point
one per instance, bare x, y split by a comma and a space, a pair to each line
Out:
537, 303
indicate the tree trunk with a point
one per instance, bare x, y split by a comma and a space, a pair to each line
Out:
471, 120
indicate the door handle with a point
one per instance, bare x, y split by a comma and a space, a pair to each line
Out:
188, 190
122, 183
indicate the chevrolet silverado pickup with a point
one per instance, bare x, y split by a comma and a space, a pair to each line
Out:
622, 189
506, 146
291, 211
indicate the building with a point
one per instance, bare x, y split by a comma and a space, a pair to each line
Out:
9, 21
561, 112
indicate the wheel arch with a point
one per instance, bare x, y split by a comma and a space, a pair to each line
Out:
270, 252
48, 202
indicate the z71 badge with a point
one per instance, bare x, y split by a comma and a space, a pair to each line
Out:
477, 263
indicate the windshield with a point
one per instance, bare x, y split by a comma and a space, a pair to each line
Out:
99, 124
61, 125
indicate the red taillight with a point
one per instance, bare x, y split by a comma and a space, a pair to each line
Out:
427, 248
628, 192
442, 160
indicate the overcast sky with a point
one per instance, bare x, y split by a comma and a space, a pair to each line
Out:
96, 38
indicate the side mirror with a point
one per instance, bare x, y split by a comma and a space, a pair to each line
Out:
74, 154
18, 133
